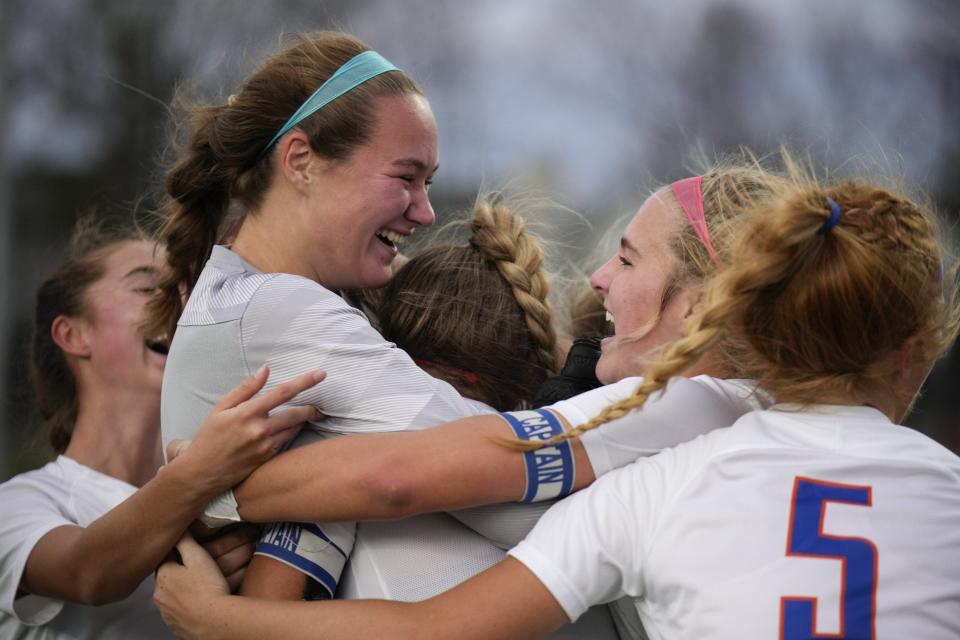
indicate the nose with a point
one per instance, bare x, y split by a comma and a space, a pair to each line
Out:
420, 210
600, 280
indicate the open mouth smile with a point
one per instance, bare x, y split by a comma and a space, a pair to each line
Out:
391, 238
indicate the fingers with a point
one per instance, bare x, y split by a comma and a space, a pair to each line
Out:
243, 391
235, 559
235, 579
175, 448
281, 422
232, 538
285, 392
190, 551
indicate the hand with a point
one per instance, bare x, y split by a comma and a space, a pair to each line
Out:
232, 551
239, 434
186, 592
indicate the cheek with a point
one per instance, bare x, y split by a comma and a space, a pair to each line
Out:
637, 304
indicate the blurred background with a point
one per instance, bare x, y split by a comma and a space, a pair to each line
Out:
591, 103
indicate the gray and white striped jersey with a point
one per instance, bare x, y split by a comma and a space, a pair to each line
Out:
237, 319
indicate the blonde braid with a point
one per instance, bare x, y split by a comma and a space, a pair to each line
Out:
707, 327
502, 237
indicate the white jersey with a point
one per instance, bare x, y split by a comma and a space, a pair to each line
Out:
688, 407
238, 318
791, 523
64, 492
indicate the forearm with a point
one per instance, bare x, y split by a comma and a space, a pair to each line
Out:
506, 601
272, 580
105, 561
385, 476
239, 618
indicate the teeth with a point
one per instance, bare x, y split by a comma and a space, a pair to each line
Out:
392, 236
609, 317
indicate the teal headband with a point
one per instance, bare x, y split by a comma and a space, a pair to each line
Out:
353, 73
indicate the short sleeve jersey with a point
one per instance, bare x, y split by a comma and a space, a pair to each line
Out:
64, 492
238, 318
688, 407
789, 524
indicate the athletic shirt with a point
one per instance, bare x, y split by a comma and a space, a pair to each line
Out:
687, 408
64, 492
238, 318
780, 526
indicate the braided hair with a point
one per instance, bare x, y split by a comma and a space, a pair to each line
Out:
478, 314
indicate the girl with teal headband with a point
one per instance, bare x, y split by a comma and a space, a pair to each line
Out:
328, 152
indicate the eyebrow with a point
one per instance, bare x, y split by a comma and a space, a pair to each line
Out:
141, 270
627, 245
415, 163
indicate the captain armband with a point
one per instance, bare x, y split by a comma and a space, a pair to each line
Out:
550, 469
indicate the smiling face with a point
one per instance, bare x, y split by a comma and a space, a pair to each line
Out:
119, 356
633, 283
357, 211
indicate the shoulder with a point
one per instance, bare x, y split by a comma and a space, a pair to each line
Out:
45, 483
745, 395
229, 288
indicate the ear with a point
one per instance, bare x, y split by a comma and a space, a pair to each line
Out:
297, 158
70, 334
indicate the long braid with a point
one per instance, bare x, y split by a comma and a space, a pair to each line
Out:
706, 328
804, 303
502, 236
807, 296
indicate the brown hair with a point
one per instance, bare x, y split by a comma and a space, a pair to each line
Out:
221, 164
813, 311
64, 293
477, 314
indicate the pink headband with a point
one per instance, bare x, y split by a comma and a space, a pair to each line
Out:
690, 196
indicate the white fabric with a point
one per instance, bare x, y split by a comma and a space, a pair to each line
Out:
238, 318
64, 492
699, 533
686, 409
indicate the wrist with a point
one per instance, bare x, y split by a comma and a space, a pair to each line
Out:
193, 482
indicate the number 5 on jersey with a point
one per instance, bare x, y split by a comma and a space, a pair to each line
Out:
858, 557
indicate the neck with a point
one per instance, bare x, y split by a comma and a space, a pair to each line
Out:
118, 434
711, 364
271, 240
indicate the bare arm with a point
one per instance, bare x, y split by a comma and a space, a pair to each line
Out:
506, 601
106, 560
394, 475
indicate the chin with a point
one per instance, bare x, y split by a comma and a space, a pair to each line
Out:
375, 279
606, 371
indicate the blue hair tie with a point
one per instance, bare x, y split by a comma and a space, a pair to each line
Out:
834, 216
353, 73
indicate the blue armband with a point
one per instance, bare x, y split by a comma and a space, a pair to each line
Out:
549, 469
306, 548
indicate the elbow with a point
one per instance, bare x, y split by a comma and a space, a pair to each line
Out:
391, 487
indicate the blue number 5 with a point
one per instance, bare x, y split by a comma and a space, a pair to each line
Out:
858, 557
